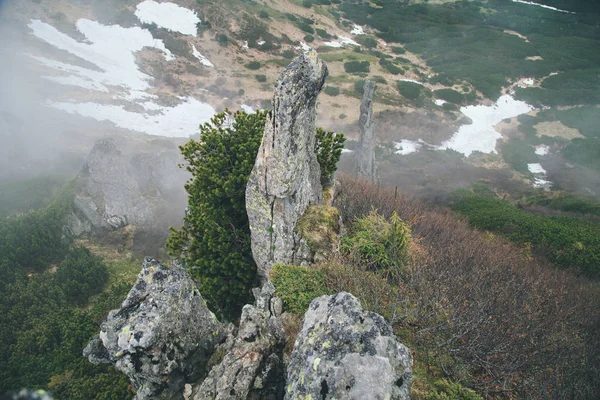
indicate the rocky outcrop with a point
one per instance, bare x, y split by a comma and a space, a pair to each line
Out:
163, 334
343, 352
365, 150
252, 367
285, 179
115, 189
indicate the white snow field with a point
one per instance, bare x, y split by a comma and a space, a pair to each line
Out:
481, 135
169, 16
112, 48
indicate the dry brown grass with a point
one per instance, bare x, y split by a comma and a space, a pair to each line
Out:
476, 307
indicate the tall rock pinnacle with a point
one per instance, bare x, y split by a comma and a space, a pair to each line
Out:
365, 151
285, 179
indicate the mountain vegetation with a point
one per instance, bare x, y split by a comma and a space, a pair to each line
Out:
214, 241
53, 295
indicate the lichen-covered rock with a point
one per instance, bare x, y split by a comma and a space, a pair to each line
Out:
252, 365
163, 334
285, 179
365, 149
343, 352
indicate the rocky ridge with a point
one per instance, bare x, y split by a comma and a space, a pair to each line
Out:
171, 346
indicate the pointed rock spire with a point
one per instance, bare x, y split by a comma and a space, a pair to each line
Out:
286, 176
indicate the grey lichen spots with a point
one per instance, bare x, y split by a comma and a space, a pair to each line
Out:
343, 352
161, 335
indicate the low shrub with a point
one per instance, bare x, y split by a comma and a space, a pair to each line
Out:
451, 96
253, 65
378, 243
298, 286
356, 66
410, 90
261, 78
331, 90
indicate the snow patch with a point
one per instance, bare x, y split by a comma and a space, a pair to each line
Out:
247, 109
347, 41
347, 151
440, 102
341, 42
481, 135
203, 60
539, 174
303, 46
357, 30
179, 121
542, 5
112, 49
412, 80
542, 150
333, 43
168, 15
261, 42
406, 146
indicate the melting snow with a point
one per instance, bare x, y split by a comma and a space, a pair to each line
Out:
346, 40
542, 150
341, 42
169, 16
528, 81
333, 44
481, 135
539, 181
536, 168
247, 108
407, 146
358, 30
541, 5
112, 49
303, 46
179, 121
413, 81
203, 60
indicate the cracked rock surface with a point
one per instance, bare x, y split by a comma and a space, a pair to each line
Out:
285, 179
163, 334
252, 366
343, 352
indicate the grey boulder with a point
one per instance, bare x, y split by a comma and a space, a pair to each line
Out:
343, 352
162, 336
